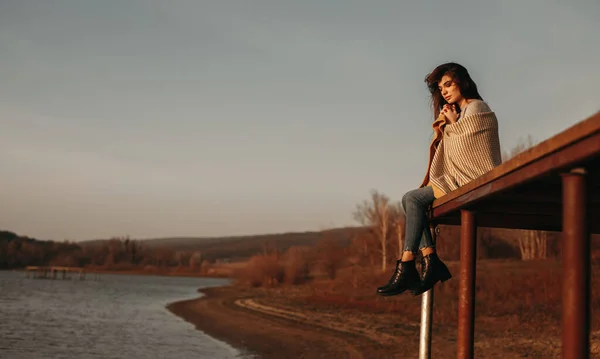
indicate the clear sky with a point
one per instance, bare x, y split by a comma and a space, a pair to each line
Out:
205, 118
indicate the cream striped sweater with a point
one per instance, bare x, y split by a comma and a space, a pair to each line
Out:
464, 150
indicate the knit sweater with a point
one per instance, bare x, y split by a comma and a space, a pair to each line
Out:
464, 150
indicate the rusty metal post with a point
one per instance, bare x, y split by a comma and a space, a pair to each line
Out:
427, 314
576, 268
466, 286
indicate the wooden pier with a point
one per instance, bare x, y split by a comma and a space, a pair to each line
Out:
52, 271
554, 186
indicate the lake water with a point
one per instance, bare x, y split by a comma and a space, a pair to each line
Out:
104, 316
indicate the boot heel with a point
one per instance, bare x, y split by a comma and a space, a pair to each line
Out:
445, 275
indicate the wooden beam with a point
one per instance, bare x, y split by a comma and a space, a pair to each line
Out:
509, 221
520, 221
530, 208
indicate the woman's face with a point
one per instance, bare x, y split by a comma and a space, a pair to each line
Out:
449, 89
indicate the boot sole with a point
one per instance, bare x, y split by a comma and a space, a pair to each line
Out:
442, 279
390, 294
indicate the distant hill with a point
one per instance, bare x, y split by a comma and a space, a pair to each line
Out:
17, 251
243, 247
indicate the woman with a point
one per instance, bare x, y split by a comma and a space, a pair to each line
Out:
465, 146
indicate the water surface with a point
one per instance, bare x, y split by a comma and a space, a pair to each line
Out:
104, 316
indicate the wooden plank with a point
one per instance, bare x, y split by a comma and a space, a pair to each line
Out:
510, 221
513, 207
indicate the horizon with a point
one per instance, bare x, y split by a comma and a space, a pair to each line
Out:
150, 120
225, 236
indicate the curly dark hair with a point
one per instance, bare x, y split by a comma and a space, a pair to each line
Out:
460, 76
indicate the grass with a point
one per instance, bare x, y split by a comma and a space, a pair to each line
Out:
518, 306
531, 290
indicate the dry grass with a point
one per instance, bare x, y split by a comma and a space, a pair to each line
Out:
518, 303
518, 307
530, 290
262, 270
527, 290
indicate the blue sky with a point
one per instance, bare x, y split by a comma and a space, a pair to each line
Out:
207, 118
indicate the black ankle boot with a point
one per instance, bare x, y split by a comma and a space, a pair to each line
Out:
405, 277
432, 271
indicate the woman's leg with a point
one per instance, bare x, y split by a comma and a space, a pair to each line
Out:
433, 269
406, 276
415, 204
418, 237
426, 246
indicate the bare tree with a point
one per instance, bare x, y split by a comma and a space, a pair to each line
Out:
523, 144
532, 243
376, 214
398, 221
195, 260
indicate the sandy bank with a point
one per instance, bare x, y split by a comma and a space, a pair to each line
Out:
282, 323
237, 317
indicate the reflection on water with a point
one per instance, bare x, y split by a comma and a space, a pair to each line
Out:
105, 316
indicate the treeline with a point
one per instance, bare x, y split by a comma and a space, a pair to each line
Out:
119, 253
19, 251
124, 253
239, 248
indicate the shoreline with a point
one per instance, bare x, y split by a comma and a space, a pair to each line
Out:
232, 315
139, 272
300, 322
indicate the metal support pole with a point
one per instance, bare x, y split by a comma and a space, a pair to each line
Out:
426, 319
466, 286
427, 315
576, 268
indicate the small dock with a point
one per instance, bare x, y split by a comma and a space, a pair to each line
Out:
52, 271
553, 186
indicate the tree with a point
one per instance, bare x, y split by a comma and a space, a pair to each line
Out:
297, 263
398, 221
195, 260
523, 144
376, 214
533, 245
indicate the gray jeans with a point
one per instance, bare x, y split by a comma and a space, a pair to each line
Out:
415, 204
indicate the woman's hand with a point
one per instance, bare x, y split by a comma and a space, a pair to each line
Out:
450, 112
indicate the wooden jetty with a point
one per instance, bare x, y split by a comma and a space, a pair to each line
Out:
554, 186
50, 272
